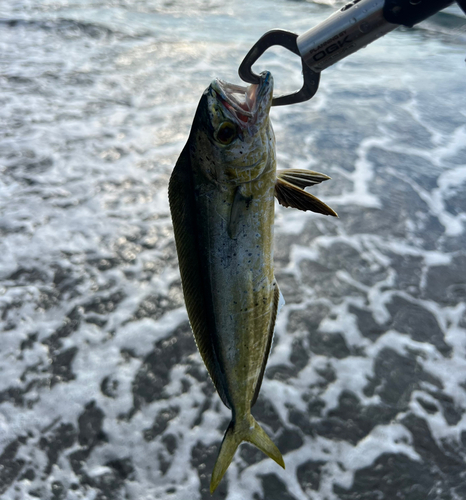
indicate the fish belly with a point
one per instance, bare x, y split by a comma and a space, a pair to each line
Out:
242, 285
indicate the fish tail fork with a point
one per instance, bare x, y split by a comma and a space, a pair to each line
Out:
246, 430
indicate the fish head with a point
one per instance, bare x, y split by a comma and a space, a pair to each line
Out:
232, 141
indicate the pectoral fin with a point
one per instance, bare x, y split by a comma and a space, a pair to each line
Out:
240, 205
302, 178
290, 193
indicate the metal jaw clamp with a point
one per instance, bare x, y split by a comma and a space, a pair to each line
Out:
285, 39
351, 28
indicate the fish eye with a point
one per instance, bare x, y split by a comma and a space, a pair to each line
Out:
226, 133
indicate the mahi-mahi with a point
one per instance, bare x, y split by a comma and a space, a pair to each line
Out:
221, 197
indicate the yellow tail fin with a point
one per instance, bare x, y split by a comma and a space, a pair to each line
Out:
246, 430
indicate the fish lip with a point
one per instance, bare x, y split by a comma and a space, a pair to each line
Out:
244, 111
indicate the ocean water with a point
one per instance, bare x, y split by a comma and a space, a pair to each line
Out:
102, 392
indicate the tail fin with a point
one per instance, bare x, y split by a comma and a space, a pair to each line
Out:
237, 432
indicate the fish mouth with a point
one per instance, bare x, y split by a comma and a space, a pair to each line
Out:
245, 103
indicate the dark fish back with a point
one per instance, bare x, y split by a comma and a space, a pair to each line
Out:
196, 293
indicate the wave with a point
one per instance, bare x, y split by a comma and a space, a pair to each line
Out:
68, 28
451, 22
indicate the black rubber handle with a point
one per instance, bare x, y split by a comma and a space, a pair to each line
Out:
410, 12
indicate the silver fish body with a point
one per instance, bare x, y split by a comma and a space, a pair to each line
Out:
221, 197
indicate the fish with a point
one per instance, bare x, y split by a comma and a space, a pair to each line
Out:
221, 197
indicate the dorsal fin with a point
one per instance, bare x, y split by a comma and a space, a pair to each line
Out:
290, 193
197, 296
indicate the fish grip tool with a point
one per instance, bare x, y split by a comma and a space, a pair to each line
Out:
286, 39
349, 29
